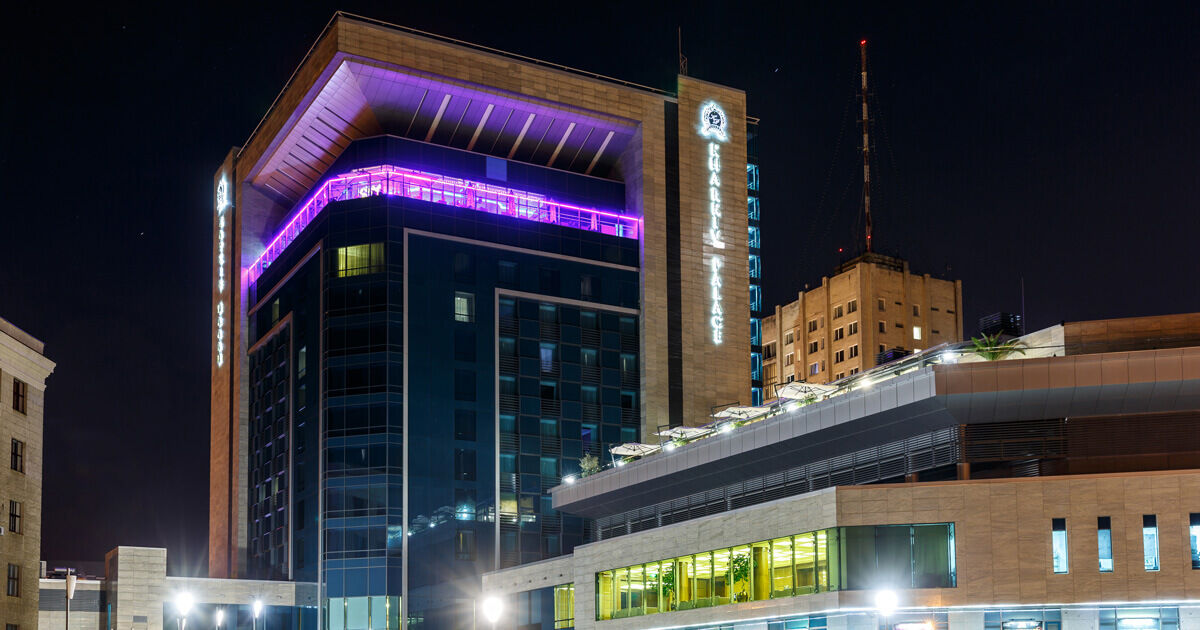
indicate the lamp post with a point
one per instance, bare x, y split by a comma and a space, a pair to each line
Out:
70, 595
258, 605
492, 608
183, 604
885, 605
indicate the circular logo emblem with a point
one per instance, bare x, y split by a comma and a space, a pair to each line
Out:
713, 123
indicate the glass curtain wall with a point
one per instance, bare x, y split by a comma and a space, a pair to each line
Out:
906, 556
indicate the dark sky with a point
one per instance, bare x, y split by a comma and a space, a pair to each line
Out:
1058, 144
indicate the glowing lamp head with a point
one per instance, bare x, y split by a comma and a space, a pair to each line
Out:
183, 603
862, 43
670, 446
258, 606
885, 602
727, 427
569, 479
220, 616
492, 608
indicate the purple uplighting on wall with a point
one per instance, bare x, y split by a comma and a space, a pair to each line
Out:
451, 191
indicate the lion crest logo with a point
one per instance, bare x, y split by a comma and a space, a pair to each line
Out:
713, 122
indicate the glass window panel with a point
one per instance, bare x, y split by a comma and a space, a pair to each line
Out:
684, 583
564, 606
379, 611
703, 583
650, 592
931, 556
1058, 543
760, 571
604, 595
1150, 541
637, 586
893, 557
739, 574
356, 613
860, 557
721, 580
1104, 543
806, 563
1194, 538
621, 590
781, 567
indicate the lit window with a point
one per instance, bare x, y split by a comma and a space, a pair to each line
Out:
464, 307
1058, 541
755, 266
1194, 537
813, 369
464, 544
752, 176
917, 333
1150, 541
752, 208
1104, 543
755, 239
357, 260
546, 354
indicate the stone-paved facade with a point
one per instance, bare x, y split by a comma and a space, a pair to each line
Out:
23, 373
1002, 550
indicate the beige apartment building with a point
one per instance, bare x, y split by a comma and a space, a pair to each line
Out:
871, 305
23, 372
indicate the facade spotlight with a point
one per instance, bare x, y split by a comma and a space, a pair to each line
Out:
183, 603
220, 617
492, 608
569, 479
885, 602
727, 427
670, 446
258, 606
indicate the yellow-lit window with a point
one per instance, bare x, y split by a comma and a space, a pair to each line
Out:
564, 606
357, 260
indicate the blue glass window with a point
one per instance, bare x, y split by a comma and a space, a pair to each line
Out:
752, 176
755, 266
1104, 543
756, 366
755, 240
756, 396
755, 298
755, 331
1194, 537
1058, 542
752, 204
546, 354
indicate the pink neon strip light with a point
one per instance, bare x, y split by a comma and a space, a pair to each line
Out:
451, 191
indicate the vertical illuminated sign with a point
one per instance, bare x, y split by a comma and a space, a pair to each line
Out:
222, 204
714, 127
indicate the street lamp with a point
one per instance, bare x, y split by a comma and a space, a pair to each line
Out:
220, 617
183, 604
492, 607
257, 611
885, 605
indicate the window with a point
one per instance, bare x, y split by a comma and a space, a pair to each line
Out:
752, 211
813, 369
1058, 543
629, 364
20, 394
853, 371
1104, 543
882, 348
917, 333
546, 355
548, 280
755, 266
464, 267
840, 333
302, 362
839, 376
588, 394
464, 544
769, 351
789, 359
935, 331
17, 462
852, 328
788, 339
812, 347
464, 385
589, 286
464, 424
755, 297
754, 237
548, 466
548, 313
549, 390
507, 272
14, 580
837, 311
589, 357
899, 325
14, 517
839, 356
853, 351
464, 464
1150, 541
464, 307
881, 305
1194, 537
357, 260
628, 400
916, 311
852, 306
882, 327
752, 176
812, 325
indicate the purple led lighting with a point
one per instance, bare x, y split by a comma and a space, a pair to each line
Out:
451, 191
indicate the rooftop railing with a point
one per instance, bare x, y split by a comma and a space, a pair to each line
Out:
388, 180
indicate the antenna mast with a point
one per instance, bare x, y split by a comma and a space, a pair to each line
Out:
866, 144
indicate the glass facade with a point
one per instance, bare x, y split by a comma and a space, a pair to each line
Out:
1150, 542
754, 216
518, 342
840, 558
1058, 545
1104, 543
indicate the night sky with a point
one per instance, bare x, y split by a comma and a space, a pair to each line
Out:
1058, 145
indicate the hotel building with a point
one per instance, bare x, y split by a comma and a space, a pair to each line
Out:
24, 369
872, 310
1054, 489
442, 276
